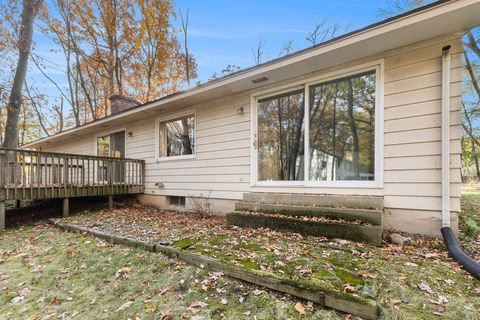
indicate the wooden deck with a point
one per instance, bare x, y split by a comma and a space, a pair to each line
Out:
29, 175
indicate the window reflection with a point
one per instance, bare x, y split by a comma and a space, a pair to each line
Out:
281, 137
342, 129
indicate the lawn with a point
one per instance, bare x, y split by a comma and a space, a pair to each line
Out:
48, 272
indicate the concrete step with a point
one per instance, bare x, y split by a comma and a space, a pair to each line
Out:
371, 234
321, 200
373, 217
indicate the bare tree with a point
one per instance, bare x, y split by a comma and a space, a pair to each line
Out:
324, 30
185, 43
258, 52
40, 116
24, 44
287, 48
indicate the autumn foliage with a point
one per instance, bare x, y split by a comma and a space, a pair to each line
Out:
117, 47
108, 47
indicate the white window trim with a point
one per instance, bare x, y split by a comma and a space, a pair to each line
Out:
103, 134
172, 117
378, 66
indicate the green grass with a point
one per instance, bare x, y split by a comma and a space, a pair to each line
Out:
469, 220
66, 274
69, 275
391, 275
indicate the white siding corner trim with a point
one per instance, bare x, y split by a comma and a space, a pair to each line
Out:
378, 66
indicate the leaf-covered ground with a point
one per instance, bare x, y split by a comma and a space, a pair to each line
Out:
414, 281
49, 274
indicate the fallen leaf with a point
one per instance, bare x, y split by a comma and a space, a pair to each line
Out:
198, 304
17, 299
257, 292
166, 316
150, 308
443, 299
300, 308
124, 306
123, 272
167, 289
224, 301
23, 292
349, 289
425, 287
450, 282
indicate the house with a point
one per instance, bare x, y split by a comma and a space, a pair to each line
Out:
357, 115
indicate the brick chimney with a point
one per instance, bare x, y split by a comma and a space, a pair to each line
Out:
119, 103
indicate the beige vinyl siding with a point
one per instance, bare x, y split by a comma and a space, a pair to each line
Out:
412, 141
412, 135
76, 145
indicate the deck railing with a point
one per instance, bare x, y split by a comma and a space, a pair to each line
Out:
27, 174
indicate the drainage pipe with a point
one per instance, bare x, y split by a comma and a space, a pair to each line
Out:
453, 246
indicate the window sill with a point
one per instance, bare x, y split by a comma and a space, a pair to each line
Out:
311, 185
184, 157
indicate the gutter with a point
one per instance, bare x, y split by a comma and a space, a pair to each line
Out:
453, 246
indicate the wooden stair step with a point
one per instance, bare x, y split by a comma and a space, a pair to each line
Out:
365, 215
371, 234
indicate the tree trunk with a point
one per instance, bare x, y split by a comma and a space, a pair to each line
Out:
29, 11
472, 143
353, 126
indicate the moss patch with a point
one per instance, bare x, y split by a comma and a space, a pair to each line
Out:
246, 263
185, 243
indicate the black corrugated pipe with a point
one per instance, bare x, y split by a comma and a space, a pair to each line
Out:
453, 247
451, 241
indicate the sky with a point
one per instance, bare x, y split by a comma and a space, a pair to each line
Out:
223, 32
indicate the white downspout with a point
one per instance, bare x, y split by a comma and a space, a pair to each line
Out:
446, 136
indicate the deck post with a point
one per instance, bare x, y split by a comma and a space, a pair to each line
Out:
66, 209
2, 215
110, 202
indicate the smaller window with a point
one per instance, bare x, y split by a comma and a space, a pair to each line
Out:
177, 137
176, 201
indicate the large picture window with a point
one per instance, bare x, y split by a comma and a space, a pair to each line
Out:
280, 137
320, 132
176, 137
342, 129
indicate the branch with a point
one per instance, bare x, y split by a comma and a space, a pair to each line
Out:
50, 79
472, 75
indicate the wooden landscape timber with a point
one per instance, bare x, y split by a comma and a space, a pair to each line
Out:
358, 306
